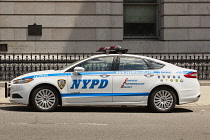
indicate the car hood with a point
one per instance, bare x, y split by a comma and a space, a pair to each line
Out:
37, 74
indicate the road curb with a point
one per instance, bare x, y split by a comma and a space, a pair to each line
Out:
204, 84
2, 84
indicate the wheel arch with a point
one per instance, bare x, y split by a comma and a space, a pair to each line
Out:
168, 86
46, 84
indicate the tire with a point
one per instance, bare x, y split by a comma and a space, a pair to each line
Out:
162, 100
45, 99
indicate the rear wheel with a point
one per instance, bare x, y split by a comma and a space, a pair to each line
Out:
162, 100
44, 98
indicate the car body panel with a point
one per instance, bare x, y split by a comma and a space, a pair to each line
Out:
110, 87
132, 83
88, 87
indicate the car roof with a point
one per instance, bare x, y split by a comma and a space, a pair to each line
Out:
131, 55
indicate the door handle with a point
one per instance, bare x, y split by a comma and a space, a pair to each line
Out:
148, 75
104, 75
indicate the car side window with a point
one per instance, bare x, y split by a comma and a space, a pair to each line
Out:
131, 63
98, 64
154, 65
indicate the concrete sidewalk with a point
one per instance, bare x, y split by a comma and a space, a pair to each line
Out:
203, 101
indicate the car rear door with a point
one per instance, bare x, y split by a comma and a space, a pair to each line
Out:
133, 80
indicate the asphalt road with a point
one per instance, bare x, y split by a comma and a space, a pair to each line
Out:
111, 123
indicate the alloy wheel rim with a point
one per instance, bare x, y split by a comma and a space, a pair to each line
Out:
163, 100
45, 99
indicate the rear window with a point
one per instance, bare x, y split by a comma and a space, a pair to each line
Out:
131, 63
154, 65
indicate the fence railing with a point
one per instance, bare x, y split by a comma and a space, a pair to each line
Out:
15, 64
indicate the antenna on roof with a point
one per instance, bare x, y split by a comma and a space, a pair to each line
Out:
113, 50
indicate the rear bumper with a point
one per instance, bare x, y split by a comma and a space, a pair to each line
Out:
189, 91
190, 99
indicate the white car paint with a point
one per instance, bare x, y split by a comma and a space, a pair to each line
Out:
141, 83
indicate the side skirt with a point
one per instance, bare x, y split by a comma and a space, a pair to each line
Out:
142, 103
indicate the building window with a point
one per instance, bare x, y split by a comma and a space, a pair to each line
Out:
140, 18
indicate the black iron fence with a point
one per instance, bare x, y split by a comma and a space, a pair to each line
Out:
13, 65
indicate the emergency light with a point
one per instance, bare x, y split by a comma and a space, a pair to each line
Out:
113, 50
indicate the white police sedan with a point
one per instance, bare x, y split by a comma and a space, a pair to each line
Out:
108, 79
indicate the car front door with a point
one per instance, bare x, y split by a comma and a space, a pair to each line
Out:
94, 84
133, 80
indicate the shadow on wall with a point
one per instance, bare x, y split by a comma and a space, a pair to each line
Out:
91, 30
76, 27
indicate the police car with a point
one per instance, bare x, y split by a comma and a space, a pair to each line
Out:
114, 78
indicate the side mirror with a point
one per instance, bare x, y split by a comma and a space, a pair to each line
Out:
77, 70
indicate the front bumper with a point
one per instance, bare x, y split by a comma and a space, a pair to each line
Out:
18, 93
7, 89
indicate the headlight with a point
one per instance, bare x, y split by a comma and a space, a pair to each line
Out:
22, 81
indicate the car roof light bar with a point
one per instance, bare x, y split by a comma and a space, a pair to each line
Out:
112, 50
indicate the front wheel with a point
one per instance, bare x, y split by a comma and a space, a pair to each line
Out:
44, 98
162, 100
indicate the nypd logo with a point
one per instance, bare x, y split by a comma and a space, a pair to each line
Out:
89, 83
61, 83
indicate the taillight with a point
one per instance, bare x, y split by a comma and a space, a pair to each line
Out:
191, 75
112, 47
102, 49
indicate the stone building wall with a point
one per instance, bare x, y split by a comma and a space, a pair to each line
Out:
85, 25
